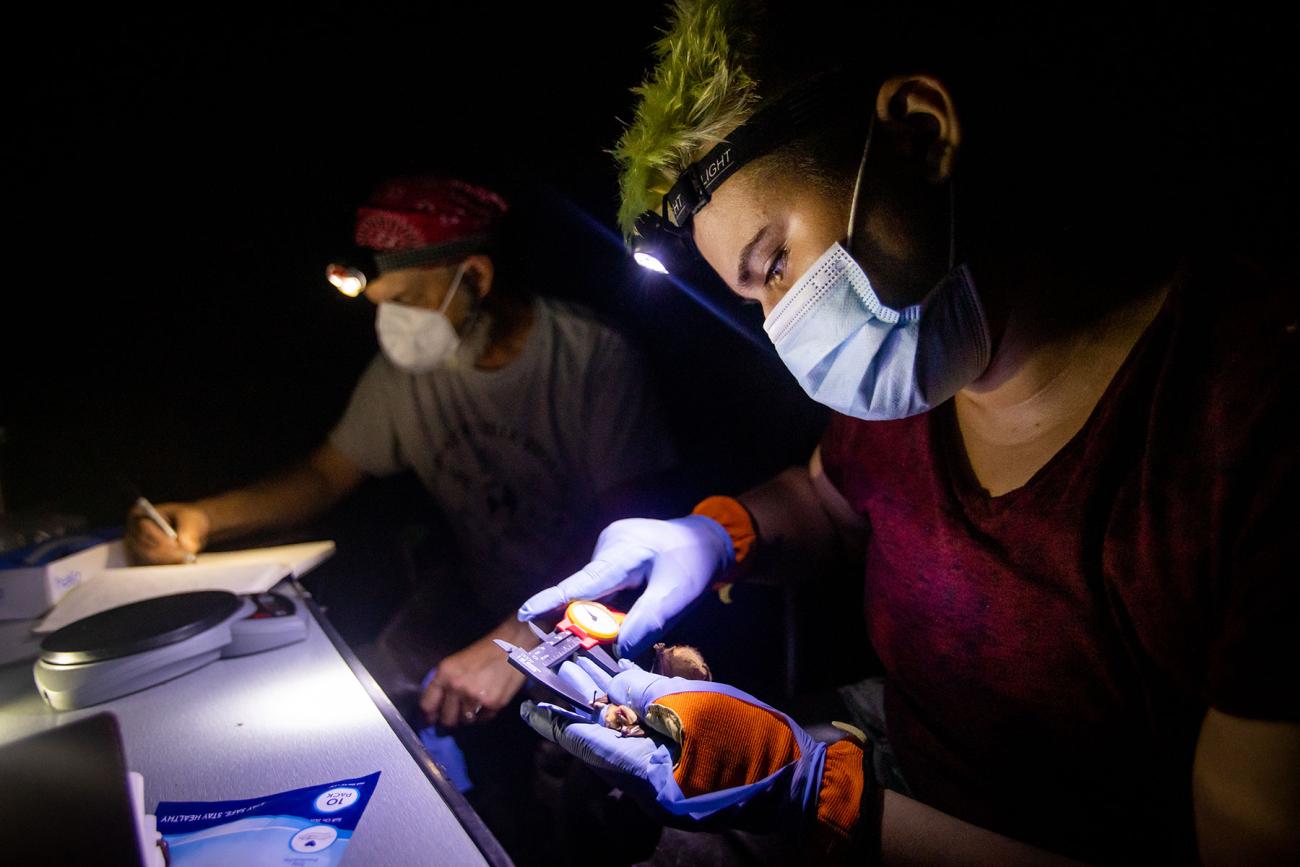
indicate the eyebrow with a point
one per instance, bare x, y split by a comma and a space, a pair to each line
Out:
743, 276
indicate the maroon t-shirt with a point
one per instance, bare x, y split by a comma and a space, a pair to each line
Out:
1050, 653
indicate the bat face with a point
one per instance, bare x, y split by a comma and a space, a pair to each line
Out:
621, 719
681, 660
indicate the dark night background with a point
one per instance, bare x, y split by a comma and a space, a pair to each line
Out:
180, 183
175, 182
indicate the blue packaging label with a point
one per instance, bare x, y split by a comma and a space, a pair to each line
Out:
303, 828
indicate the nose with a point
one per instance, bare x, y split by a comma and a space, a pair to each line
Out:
769, 299
378, 290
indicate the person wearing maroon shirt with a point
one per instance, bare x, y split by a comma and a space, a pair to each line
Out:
1066, 450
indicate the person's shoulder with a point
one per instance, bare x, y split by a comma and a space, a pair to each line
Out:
1241, 295
384, 380
580, 326
1236, 321
571, 314
1231, 373
380, 369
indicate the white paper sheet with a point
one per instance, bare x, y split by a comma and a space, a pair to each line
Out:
114, 587
299, 558
252, 570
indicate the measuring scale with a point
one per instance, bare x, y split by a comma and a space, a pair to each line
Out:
132, 647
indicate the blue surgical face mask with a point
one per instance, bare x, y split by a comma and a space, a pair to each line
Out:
857, 356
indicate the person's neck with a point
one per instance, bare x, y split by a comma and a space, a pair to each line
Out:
1051, 364
1045, 318
509, 325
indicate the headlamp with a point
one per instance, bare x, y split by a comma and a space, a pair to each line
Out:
659, 246
650, 261
659, 239
351, 274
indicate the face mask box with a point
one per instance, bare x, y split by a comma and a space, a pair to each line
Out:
33, 579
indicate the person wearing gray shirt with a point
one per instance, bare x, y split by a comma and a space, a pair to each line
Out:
520, 415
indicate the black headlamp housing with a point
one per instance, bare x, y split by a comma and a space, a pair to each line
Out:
659, 245
351, 272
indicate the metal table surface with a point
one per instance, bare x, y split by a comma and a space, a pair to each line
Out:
299, 715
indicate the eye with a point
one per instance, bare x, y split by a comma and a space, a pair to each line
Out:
776, 270
413, 296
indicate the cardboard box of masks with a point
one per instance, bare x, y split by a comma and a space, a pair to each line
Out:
33, 579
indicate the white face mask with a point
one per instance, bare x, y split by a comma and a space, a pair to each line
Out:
857, 356
415, 339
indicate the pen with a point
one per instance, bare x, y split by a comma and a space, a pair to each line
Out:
154, 515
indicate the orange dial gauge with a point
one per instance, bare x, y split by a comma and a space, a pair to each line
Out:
594, 619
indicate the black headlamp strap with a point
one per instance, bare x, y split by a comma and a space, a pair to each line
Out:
771, 126
434, 254
695, 186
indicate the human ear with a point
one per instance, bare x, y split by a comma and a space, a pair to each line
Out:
479, 272
919, 111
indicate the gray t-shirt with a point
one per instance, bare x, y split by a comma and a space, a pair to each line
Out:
517, 457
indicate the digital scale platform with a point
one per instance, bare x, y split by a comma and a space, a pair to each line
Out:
136, 646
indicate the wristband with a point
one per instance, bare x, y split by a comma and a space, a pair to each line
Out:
864, 845
735, 519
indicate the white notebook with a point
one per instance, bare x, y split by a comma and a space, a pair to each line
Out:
254, 570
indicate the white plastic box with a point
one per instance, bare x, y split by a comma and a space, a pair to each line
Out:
30, 591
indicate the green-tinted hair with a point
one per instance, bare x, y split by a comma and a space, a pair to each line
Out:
699, 91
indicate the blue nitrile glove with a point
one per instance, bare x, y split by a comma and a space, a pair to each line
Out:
719, 756
675, 560
444, 750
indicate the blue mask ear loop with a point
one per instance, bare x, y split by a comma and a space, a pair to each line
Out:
857, 182
857, 192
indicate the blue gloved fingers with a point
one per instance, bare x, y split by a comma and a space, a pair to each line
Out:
642, 627
558, 717
550, 721
676, 579
541, 603
637, 688
602, 748
726, 548
652, 613
580, 679
593, 673
592, 581
667, 594
615, 568
633, 686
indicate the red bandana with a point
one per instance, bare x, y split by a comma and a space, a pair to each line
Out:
412, 213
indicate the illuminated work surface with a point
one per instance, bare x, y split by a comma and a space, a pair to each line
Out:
251, 726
